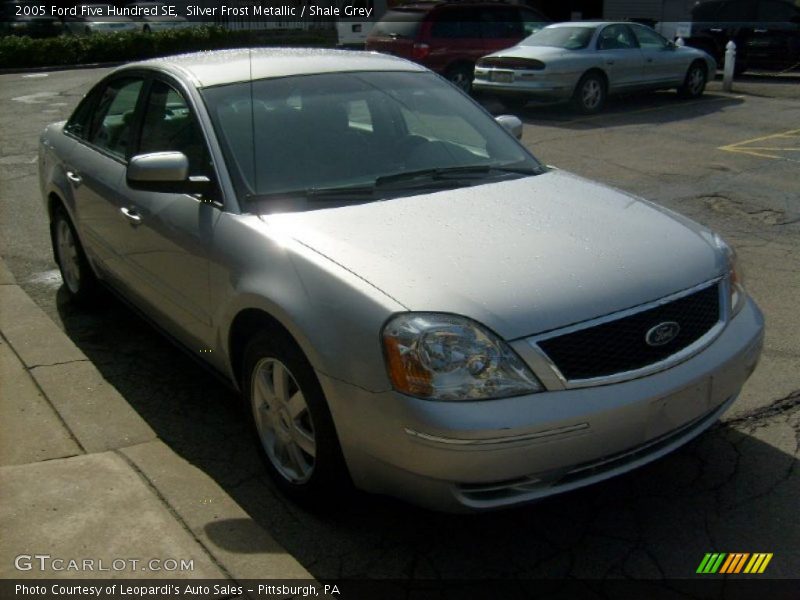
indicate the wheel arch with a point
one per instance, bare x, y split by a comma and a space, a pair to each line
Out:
245, 324
594, 70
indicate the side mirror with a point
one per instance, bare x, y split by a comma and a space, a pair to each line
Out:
158, 167
511, 124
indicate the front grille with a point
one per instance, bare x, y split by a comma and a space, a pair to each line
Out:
618, 346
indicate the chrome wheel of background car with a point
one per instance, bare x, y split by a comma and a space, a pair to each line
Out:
68, 258
283, 420
695, 82
590, 93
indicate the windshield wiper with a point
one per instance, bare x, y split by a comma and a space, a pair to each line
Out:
450, 173
356, 192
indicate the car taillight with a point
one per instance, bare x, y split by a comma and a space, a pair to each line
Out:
420, 51
510, 62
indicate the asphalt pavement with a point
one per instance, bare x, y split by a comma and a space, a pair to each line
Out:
731, 161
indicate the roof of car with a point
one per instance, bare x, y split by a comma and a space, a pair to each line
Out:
587, 23
219, 67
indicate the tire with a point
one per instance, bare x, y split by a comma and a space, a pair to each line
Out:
461, 77
79, 280
590, 94
291, 421
694, 84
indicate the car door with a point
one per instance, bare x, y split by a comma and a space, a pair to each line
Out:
621, 57
662, 64
95, 168
173, 232
775, 40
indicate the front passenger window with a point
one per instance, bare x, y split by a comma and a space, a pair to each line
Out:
170, 126
112, 124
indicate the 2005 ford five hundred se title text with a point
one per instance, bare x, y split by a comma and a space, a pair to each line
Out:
406, 298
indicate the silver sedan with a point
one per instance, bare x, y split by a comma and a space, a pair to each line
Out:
405, 297
586, 61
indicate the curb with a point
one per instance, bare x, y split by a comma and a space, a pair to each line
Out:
108, 431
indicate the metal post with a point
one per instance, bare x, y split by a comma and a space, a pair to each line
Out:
730, 62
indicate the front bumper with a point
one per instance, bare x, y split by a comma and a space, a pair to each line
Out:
462, 456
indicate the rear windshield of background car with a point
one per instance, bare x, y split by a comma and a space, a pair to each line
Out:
400, 23
569, 38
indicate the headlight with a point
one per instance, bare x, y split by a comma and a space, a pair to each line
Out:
735, 276
446, 357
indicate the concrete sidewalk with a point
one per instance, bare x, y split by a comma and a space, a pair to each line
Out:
84, 478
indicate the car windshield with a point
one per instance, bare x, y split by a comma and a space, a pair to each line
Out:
358, 129
569, 38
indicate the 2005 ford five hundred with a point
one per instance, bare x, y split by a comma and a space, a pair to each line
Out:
406, 298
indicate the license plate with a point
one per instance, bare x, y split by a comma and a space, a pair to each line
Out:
502, 77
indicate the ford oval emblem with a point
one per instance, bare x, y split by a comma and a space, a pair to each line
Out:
663, 333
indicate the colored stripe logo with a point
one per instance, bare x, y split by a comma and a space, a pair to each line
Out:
734, 563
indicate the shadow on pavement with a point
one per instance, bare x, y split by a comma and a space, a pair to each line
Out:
647, 108
727, 491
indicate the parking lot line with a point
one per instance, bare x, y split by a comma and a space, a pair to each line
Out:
768, 151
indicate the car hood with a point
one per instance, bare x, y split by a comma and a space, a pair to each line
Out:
521, 256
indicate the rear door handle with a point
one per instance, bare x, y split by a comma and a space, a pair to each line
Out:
131, 215
760, 30
609, 62
74, 177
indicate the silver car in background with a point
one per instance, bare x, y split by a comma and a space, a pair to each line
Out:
98, 18
405, 297
586, 61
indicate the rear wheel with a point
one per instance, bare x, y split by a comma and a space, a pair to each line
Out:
291, 420
461, 77
694, 84
590, 94
79, 279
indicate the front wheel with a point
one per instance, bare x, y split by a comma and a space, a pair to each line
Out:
694, 84
291, 420
79, 279
590, 94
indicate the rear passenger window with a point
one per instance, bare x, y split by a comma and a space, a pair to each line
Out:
111, 127
649, 39
501, 22
456, 22
170, 126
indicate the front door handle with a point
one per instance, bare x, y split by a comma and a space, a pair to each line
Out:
609, 62
74, 177
131, 215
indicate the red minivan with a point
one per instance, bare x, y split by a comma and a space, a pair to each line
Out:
448, 37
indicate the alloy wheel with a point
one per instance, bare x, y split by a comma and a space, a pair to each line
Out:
68, 257
283, 421
591, 94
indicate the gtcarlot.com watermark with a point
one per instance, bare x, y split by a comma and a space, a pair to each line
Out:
46, 563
